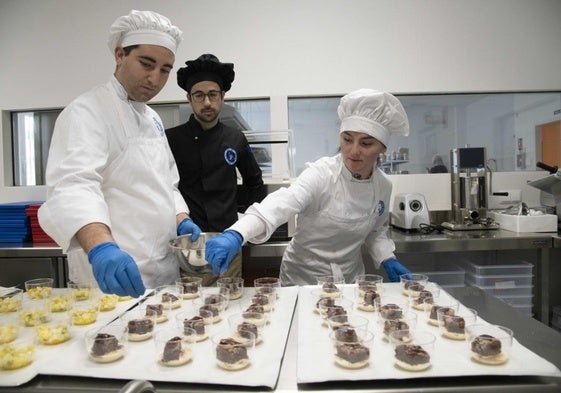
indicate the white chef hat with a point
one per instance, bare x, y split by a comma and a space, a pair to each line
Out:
144, 27
373, 112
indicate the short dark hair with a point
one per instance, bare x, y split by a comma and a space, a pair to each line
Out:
129, 49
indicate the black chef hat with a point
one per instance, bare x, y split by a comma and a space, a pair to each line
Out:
206, 68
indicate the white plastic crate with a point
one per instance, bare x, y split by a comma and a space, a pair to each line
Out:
446, 276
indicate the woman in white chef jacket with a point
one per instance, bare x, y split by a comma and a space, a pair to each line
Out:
112, 202
342, 202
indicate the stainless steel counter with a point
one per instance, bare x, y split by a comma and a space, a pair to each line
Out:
535, 336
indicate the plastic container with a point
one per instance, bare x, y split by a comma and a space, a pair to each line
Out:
500, 281
451, 276
520, 290
517, 300
492, 268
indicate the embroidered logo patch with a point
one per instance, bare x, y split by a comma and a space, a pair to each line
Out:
230, 156
159, 126
380, 208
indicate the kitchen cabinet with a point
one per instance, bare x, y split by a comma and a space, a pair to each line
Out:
19, 264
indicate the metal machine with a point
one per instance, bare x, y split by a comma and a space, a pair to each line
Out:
550, 184
409, 211
469, 190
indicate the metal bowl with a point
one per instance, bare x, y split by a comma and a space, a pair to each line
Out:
191, 255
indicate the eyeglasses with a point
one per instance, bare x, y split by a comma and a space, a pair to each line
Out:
199, 96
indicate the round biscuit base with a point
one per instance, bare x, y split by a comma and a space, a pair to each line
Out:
453, 336
433, 322
239, 365
108, 357
183, 359
366, 307
495, 360
139, 337
190, 295
410, 367
346, 364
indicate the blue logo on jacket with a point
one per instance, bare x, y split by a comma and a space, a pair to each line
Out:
381, 208
230, 156
159, 126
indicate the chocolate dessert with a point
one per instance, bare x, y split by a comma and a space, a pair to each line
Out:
262, 300
370, 297
353, 352
391, 311
335, 310
367, 286
394, 325
215, 299
140, 326
230, 351
265, 290
454, 324
329, 287
425, 297
157, 308
169, 297
232, 284
104, 343
413, 286
255, 308
486, 345
209, 307
325, 302
245, 327
346, 333
435, 308
190, 287
172, 349
196, 323
412, 357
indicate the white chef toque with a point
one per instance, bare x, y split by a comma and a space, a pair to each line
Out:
144, 27
373, 112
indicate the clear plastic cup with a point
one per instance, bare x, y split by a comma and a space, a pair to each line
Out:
429, 295
60, 301
489, 344
80, 291
366, 282
357, 322
200, 322
265, 298
267, 285
392, 307
174, 346
331, 286
84, 312
416, 355
407, 322
17, 354
244, 322
232, 355
39, 288
219, 296
234, 284
191, 286
450, 306
56, 331
34, 313
413, 283
351, 349
368, 299
161, 307
139, 323
340, 306
9, 327
453, 326
170, 296
215, 309
106, 344
11, 300
107, 302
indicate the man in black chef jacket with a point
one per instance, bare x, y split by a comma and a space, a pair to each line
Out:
208, 152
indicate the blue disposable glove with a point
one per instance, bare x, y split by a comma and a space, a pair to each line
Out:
221, 249
115, 271
394, 269
188, 226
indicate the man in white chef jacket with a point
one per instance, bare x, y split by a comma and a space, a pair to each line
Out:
342, 202
112, 200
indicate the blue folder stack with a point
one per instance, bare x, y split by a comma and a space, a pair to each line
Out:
14, 224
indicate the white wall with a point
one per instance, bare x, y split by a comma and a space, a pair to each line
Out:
54, 50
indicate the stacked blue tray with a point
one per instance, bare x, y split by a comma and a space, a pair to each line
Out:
14, 223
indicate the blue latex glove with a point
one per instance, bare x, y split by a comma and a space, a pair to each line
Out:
221, 249
394, 269
188, 226
115, 271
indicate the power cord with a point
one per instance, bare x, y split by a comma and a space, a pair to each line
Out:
426, 229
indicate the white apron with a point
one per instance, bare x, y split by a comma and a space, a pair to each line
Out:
328, 243
138, 191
